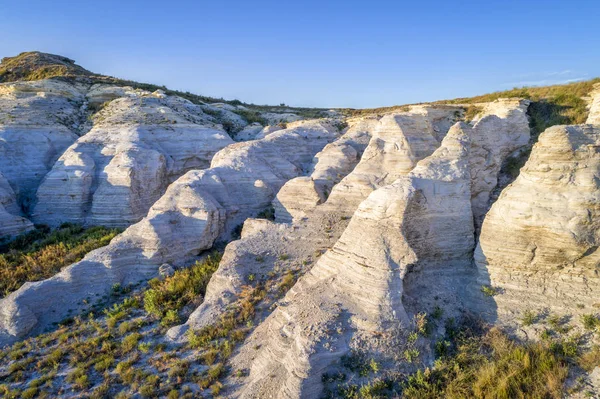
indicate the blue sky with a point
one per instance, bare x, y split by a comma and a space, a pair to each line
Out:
317, 53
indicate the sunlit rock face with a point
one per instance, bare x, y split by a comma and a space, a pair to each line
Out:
539, 241
501, 129
420, 223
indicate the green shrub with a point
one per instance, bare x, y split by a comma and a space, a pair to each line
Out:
590, 321
489, 290
529, 317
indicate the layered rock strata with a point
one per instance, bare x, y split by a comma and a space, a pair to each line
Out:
539, 241
399, 141
38, 121
197, 209
419, 222
498, 131
594, 115
139, 144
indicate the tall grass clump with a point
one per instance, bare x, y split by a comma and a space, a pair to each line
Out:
492, 366
166, 297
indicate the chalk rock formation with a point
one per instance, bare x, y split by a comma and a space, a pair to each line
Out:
422, 221
139, 144
539, 241
594, 115
302, 194
267, 130
249, 132
199, 207
274, 118
398, 142
38, 121
501, 129
262, 241
11, 223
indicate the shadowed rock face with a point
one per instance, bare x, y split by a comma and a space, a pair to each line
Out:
301, 195
539, 240
38, 121
11, 223
139, 144
198, 208
419, 222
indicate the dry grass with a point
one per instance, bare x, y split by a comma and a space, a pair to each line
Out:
492, 366
40, 254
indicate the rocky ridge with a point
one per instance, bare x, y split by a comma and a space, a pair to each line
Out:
196, 210
383, 219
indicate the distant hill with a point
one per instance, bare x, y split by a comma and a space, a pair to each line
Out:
34, 65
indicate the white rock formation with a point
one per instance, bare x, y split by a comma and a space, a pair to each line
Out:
398, 142
38, 121
420, 223
501, 129
249, 132
267, 130
195, 210
594, 115
539, 241
274, 118
302, 194
139, 144
11, 223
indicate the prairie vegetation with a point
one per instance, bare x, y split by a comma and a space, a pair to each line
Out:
121, 352
475, 361
41, 253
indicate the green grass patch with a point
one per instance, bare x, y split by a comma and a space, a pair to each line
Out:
41, 253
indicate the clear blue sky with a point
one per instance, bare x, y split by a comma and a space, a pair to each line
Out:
317, 53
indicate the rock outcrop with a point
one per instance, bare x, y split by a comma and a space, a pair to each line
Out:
139, 144
594, 115
197, 209
399, 141
11, 223
421, 222
302, 194
539, 241
501, 129
38, 121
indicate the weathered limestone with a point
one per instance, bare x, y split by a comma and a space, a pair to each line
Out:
198, 208
274, 118
422, 221
38, 121
302, 194
399, 141
594, 115
249, 132
501, 129
11, 223
263, 241
139, 144
539, 241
